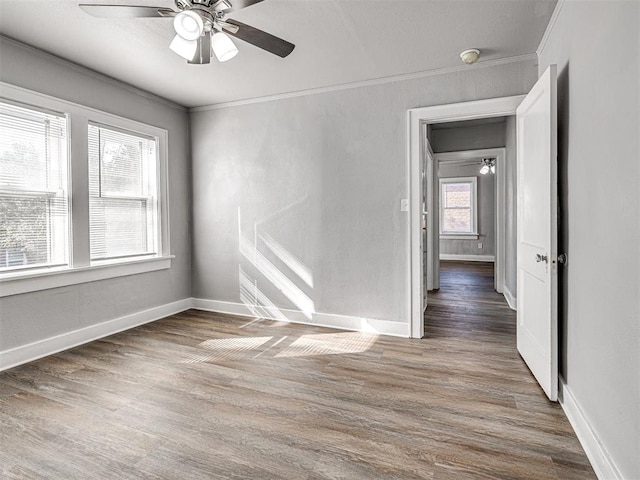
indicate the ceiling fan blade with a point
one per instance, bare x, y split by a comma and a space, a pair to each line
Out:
226, 26
260, 39
125, 11
236, 5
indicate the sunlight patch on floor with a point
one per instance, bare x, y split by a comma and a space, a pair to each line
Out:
224, 348
285, 346
329, 344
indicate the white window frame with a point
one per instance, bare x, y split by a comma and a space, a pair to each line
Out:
474, 209
152, 199
61, 247
80, 268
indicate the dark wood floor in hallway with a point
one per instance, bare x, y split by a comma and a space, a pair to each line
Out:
206, 396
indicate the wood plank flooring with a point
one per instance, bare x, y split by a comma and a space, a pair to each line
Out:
205, 396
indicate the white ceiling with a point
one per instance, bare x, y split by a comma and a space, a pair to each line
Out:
337, 41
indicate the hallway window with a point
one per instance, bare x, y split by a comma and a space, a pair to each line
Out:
458, 206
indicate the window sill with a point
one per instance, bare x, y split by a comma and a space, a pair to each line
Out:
24, 282
460, 236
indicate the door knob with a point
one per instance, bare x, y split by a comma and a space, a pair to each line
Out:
541, 258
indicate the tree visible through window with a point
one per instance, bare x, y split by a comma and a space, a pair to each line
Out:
457, 206
33, 187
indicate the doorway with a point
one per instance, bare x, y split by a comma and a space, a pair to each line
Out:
421, 165
537, 257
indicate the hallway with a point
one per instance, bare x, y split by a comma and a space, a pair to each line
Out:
468, 306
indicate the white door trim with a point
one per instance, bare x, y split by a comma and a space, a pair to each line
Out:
417, 120
500, 206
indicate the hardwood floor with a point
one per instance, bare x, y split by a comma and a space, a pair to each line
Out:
199, 395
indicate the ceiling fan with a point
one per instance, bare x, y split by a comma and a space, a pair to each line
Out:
201, 26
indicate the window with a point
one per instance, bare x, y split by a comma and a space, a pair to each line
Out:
458, 206
33, 188
122, 189
83, 194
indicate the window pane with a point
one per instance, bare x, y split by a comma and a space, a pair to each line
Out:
122, 187
33, 187
457, 220
118, 227
457, 195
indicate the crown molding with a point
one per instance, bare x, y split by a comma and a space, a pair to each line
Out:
366, 83
550, 27
92, 73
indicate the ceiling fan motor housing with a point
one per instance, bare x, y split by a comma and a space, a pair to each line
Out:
207, 4
183, 4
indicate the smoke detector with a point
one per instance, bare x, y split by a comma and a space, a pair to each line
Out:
470, 56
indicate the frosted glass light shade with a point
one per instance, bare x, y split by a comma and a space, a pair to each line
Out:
484, 170
223, 47
188, 25
185, 48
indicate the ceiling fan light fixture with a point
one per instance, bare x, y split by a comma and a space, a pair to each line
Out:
185, 48
222, 46
488, 165
188, 24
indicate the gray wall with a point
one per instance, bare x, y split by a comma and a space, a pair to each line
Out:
511, 207
323, 176
34, 316
491, 135
486, 212
596, 48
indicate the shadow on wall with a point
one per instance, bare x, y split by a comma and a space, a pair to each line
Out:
563, 213
259, 251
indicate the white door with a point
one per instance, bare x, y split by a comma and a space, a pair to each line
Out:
537, 289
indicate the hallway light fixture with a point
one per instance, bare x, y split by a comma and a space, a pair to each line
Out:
488, 166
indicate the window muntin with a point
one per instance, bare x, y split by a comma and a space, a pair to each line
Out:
34, 205
123, 193
458, 206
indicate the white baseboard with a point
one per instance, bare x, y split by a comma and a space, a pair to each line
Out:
510, 297
344, 322
600, 460
49, 346
468, 258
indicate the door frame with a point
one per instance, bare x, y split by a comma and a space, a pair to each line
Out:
500, 191
417, 121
